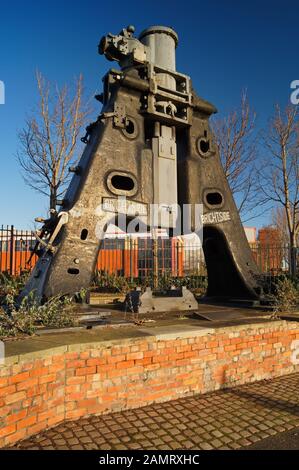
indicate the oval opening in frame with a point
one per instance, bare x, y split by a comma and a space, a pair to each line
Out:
73, 271
214, 198
204, 146
84, 234
130, 127
122, 182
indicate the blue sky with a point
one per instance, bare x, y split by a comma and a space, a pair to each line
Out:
225, 46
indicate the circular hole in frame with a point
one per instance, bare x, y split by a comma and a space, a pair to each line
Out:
131, 129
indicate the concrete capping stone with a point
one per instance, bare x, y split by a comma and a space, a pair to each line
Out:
18, 351
178, 332
79, 347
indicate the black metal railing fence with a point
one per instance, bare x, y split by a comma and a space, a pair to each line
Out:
140, 258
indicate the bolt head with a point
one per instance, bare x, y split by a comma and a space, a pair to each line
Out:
131, 28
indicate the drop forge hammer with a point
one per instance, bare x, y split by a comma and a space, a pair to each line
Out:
151, 144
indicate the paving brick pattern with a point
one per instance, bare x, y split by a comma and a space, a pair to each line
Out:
227, 419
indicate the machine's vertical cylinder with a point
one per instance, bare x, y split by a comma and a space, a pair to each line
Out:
162, 42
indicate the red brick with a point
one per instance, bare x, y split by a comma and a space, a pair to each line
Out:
145, 361
47, 378
46, 415
3, 382
97, 361
75, 396
75, 380
87, 403
61, 357
185, 348
27, 384
40, 426
27, 422
27, 403
75, 364
115, 373
38, 372
19, 378
56, 367
134, 370
55, 420
4, 391
189, 354
230, 347
14, 397
15, 437
107, 397
105, 368
13, 418
197, 346
125, 364
115, 359
164, 358
70, 356
149, 353
75, 414
6, 430
135, 355
86, 370
71, 389
85, 355
153, 367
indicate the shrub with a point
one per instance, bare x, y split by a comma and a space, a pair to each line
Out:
114, 284
25, 319
56, 313
11, 285
286, 296
16, 323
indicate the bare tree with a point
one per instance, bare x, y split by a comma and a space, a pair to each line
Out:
279, 182
235, 138
279, 222
48, 141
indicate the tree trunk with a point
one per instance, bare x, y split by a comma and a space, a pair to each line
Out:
53, 199
293, 257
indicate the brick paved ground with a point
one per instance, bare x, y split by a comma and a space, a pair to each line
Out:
227, 419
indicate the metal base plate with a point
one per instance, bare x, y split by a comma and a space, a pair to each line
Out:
176, 300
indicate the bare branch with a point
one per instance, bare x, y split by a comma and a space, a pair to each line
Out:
49, 139
236, 141
280, 173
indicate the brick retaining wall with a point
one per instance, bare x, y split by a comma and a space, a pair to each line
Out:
41, 389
